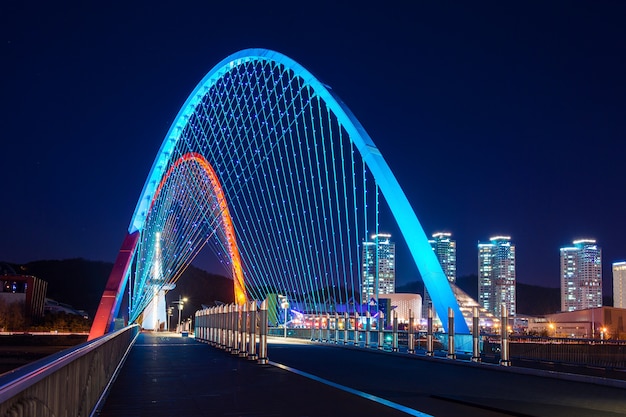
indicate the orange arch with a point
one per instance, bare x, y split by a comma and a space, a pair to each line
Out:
238, 281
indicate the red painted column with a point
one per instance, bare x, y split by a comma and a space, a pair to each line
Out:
109, 304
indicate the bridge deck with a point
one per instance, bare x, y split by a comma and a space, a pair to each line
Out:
166, 375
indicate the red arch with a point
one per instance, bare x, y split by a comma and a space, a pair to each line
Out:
216, 187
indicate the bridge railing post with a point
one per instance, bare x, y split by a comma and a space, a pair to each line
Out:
475, 335
328, 319
356, 328
243, 331
346, 325
320, 331
451, 352
504, 349
336, 328
368, 318
411, 333
214, 326
224, 326
429, 332
209, 323
394, 344
231, 327
381, 330
313, 320
236, 327
220, 327
252, 332
263, 334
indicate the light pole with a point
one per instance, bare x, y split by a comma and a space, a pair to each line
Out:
169, 319
181, 302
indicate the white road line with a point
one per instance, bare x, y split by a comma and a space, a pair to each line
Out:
362, 394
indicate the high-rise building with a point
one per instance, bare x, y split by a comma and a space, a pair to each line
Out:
619, 284
496, 275
378, 266
445, 250
581, 275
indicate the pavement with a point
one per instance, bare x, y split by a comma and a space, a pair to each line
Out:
168, 375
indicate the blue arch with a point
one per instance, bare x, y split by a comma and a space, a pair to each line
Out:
410, 227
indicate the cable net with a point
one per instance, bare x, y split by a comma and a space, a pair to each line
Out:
285, 210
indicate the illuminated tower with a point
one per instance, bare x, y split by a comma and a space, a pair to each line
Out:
379, 265
581, 275
619, 284
155, 316
496, 275
445, 249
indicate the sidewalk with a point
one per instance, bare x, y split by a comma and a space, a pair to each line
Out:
167, 375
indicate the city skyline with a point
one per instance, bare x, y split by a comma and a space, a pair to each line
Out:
495, 119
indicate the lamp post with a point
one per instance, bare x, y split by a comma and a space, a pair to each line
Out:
169, 319
181, 302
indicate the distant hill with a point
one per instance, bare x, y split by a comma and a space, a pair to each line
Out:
532, 300
81, 282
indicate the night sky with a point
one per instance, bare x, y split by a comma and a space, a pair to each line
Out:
496, 118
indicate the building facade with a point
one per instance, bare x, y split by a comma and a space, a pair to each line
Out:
581, 275
619, 284
445, 250
496, 275
378, 267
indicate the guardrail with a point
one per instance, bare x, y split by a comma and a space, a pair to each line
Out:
69, 383
235, 328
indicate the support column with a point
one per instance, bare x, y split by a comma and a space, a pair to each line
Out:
394, 344
252, 356
475, 335
429, 332
504, 350
368, 317
381, 330
451, 354
411, 333
263, 334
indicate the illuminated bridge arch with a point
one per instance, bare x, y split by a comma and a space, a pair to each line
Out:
269, 169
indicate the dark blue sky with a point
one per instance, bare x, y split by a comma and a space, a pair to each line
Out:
497, 118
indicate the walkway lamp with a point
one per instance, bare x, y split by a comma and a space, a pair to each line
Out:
169, 318
181, 302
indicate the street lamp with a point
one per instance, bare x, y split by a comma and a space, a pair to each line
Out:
603, 333
181, 302
169, 318
285, 305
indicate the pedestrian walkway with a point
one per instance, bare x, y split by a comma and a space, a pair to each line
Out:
168, 375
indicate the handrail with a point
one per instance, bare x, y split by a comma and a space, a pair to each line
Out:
26, 385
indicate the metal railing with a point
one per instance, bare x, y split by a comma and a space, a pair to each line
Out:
69, 383
235, 328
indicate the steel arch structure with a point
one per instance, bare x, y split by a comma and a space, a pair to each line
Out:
266, 165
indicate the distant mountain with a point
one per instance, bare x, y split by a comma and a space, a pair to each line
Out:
80, 283
532, 300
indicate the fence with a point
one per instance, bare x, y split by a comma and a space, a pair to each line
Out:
69, 383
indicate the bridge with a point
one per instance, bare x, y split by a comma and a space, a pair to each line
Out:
265, 168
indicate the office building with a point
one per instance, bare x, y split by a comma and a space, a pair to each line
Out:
378, 268
445, 250
496, 275
581, 275
619, 284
